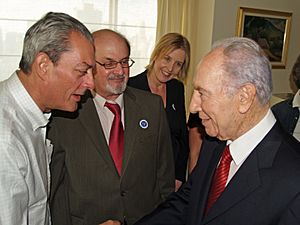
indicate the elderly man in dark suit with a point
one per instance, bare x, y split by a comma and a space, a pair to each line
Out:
255, 179
110, 163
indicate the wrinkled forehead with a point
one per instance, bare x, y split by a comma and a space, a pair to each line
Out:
113, 49
210, 69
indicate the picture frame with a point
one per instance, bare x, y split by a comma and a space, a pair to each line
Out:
270, 29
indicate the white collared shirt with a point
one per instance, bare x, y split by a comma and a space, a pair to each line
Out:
24, 157
105, 115
241, 148
296, 103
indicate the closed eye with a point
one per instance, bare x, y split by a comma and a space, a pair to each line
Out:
82, 72
124, 62
179, 64
167, 58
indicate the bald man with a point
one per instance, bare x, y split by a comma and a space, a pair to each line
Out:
89, 186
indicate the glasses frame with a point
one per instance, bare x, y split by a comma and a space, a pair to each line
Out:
115, 63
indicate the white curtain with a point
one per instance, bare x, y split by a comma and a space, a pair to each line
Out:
187, 17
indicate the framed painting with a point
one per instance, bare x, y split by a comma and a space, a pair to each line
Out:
270, 29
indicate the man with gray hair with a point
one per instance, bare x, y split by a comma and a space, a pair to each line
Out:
55, 70
248, 169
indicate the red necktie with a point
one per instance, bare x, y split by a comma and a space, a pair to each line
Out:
220, 178
116, 137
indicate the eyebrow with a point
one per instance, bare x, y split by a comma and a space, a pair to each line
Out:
201, 89
175, 60
84, 64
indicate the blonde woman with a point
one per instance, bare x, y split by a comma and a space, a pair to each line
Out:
169, 63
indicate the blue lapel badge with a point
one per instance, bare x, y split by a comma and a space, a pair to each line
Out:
144, 124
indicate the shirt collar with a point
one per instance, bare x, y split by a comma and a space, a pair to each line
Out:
34, 114
241, 148
296, 100
101, 101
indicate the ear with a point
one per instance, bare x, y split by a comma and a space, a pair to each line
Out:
247, 94
42, 64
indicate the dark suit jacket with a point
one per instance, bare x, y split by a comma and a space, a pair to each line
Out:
264, 191
175, 109
86, 188
286, 114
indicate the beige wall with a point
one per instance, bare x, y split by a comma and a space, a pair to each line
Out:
224, 25
200, 36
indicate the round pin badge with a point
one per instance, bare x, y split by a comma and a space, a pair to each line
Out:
144, 124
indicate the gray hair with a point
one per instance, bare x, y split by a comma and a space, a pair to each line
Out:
50, 35
245, 62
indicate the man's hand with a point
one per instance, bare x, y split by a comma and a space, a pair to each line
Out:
178, 184
111, 222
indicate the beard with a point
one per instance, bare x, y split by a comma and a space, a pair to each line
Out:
116, 90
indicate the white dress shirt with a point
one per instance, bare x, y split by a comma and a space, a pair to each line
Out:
105, 115
241, 148
24, 157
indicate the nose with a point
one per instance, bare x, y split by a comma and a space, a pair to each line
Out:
119, 69
89, 80
170, 66
195, 103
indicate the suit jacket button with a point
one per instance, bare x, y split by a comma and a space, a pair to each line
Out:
123, 193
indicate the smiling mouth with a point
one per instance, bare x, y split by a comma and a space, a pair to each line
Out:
77, 97
166, 74
204, 121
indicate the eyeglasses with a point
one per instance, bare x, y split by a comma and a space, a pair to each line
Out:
125, 63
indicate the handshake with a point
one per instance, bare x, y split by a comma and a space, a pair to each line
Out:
111, 222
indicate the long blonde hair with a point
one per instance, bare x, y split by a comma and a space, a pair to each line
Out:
168, 43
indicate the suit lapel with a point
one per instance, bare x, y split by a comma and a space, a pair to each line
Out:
242, 184
92, 126
247, 179
202, 186
131, 112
